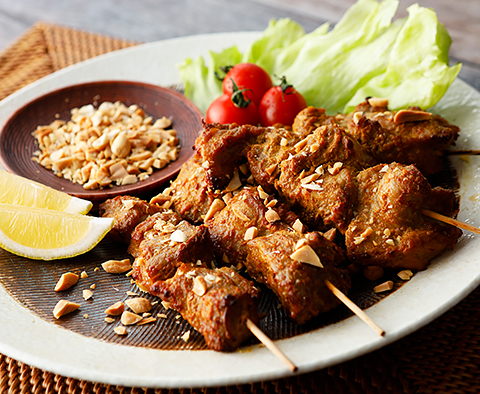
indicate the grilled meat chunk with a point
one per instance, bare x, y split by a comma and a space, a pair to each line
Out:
127, 212
190, 194
222, 148
310, 119
318, 179
216, 303
163, 242
247, 210
390, 229
389, 138
266, 153
300, 287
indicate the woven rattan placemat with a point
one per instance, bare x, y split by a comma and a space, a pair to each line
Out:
443, 357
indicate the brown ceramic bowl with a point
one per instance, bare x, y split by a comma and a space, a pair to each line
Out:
17, 144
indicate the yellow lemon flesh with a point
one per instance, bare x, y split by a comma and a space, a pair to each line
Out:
45, 234
21, 191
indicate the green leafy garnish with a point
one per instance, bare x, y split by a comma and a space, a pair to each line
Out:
365, 54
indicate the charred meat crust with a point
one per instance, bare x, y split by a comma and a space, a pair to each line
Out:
127, 212
300, 287
219, 314
390, 229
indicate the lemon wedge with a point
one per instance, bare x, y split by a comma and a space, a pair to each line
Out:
21, 191
45, 234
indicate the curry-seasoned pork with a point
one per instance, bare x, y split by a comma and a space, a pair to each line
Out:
300, 286
222, 148
127, 212
389, 229
189, 194
164, 241
246, 212
216, 302
263, 239
409, 136
388, 137
318, 179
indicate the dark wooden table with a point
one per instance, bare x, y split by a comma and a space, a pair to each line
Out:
152, 20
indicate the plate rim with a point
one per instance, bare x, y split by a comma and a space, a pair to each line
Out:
208, 368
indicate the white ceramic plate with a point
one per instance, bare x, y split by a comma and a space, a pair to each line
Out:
450, 278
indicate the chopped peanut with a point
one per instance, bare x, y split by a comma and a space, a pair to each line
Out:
66, 281
251, 233
87, 294
272, 216
139, 304
120, 330
115, 309
409, 115
129, 318
199, 286
117, 266
63, 307
385, 286
405, 274
307, 255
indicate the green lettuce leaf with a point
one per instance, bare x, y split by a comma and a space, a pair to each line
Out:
417, 72
278, 36
365, 54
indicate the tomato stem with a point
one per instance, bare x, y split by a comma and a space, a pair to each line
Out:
238, 98
284, 85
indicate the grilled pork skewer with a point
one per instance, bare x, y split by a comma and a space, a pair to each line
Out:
161, 243
250, 233
390, 229
407, 136
216, 303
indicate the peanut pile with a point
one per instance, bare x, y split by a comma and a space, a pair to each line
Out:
108, 146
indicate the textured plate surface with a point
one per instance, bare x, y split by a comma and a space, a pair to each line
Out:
17, 144
31, 339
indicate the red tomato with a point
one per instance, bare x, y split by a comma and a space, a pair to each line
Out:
280, 104
248, 76
223, 110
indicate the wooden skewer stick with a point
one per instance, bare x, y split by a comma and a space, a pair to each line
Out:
270, 345
354, 308
453, 222
458, 152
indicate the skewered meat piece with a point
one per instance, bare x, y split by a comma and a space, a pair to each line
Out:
388, 139
222, 148
266, 153
390, 229
216, 303
247, 210
409, 136
310, 119
127, 212
189, 193
266, 253
299, 286
162, 242
318, 179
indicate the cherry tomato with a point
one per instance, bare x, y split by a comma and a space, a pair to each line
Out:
223, 110
248, 76
280, 104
